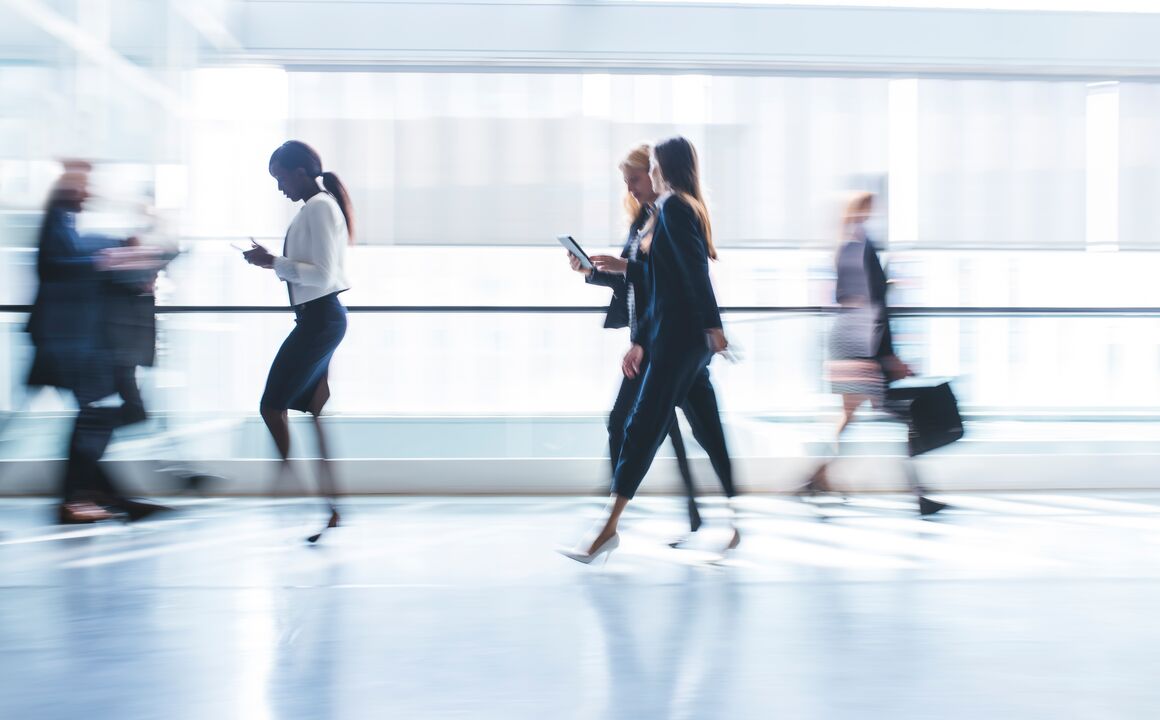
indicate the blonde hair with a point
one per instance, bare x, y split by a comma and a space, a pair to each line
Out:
858, 203
637, 159
682, 171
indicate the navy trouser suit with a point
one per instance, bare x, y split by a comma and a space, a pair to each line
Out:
681, 308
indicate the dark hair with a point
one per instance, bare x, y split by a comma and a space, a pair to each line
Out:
294, 154
679, 167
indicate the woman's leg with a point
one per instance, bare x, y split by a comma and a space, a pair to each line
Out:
926, 506
618, 416
700, 406
279, 426
326, 482
281, 385
664, 385
704, 416
616, 506
277, 395
850, 404
686, 474
328, 334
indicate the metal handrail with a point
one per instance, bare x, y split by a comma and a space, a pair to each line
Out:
932, 311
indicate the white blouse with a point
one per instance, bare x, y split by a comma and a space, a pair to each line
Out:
312, 261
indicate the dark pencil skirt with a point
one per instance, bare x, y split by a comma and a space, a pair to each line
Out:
304, 358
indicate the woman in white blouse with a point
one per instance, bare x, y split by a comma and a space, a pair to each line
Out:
312, 267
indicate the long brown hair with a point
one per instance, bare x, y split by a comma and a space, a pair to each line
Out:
294, 154
682, 171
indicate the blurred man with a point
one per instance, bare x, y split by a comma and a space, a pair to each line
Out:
77, 327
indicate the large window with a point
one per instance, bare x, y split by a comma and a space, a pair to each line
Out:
1139, 164
497, 158
1001, 164
461, 180
494, 158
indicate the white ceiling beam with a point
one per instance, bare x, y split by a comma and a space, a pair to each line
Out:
675, 36
72, 35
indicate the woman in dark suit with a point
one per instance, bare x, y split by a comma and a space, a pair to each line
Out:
681, 333
628, 301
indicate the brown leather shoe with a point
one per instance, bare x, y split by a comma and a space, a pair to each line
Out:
81, 513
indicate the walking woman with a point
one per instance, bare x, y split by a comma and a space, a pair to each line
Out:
862, 359
629, 299
682, 332
312, 266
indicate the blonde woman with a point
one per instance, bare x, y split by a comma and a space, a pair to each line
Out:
682, 332
629, 297
861, 347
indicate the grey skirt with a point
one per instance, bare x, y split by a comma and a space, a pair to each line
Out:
852, 368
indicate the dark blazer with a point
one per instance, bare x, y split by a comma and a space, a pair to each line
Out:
65, 322
681, 303
85, 321
617, 315
864, 278
130, 324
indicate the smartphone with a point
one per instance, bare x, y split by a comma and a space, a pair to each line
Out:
244, 248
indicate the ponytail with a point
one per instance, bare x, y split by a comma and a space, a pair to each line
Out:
294, 154
335, 187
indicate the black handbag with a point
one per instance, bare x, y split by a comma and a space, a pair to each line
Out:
931, 412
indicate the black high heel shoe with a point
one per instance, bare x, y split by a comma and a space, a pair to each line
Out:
333, 523
927, 507
694, 525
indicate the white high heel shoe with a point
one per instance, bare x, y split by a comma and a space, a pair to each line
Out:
735, 538
605, 549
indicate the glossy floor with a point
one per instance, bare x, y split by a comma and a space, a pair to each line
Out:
1008, 606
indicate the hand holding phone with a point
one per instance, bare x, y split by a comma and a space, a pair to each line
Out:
259, 256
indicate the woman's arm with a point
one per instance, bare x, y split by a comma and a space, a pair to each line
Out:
606, 279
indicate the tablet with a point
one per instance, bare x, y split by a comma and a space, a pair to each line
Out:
574, 248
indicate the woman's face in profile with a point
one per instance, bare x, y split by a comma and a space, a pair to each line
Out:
289, 181
639, 185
